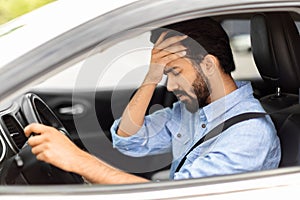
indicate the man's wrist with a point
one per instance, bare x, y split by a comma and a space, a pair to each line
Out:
150, 80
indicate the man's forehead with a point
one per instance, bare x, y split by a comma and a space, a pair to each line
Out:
179, 62
174, 64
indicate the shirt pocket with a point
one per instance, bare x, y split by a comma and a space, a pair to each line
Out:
181, 143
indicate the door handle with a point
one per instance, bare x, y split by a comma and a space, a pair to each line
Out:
76, 109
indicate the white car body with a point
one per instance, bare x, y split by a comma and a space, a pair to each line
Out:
19, 37
65, 15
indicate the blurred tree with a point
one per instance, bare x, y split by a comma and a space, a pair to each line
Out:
10, 9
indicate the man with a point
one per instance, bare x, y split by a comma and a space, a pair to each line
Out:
197, 62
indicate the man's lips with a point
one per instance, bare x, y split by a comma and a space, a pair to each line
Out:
179, 95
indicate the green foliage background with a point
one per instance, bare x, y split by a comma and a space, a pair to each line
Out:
10, 9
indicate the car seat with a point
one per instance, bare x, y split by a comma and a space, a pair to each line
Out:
276, 50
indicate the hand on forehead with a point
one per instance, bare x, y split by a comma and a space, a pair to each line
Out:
164, 41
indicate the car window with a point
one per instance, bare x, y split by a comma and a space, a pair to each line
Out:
298, 26
134, 55
239, 34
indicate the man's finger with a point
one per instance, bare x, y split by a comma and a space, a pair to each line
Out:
35, 128
37, 149
36, 140
171, 50
173, 56
170, 41
161, 38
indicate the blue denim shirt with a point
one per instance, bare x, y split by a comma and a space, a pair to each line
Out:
250, 145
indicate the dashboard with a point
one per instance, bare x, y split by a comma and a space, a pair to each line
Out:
18, 165
12, 137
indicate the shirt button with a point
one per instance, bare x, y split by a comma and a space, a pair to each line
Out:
203, 125
178, 135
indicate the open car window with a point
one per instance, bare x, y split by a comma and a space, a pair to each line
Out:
134, 55
112, 76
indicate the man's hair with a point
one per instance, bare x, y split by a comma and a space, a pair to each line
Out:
206, 36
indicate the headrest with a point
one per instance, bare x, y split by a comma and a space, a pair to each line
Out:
276, 49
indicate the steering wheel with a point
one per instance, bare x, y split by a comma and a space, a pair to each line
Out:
36, 110
25, 164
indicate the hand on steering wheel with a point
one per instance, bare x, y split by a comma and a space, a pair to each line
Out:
51, 144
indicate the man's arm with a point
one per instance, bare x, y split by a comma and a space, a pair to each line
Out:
133, 116
164, 51
97, 171
51, 146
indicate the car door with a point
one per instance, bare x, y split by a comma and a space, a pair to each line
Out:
87, 110
89, 96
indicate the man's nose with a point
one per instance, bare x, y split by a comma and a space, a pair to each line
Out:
171, 84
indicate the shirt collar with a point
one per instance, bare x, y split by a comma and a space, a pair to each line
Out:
220, 106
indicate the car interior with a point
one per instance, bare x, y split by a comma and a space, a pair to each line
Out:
275, 49
275, 40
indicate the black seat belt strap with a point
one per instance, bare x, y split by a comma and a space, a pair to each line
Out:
220, 128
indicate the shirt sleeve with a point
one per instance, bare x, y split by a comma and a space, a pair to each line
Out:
241, 148
152, 138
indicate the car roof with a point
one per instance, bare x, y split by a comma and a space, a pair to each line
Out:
34, 28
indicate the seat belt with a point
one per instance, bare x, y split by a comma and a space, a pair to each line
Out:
234, 120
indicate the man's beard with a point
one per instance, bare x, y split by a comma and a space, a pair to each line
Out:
201, 90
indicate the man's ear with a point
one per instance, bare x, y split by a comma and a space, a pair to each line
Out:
209, 65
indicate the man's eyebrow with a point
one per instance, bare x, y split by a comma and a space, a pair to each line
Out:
169, 69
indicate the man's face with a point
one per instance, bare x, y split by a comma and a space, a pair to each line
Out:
187, 83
